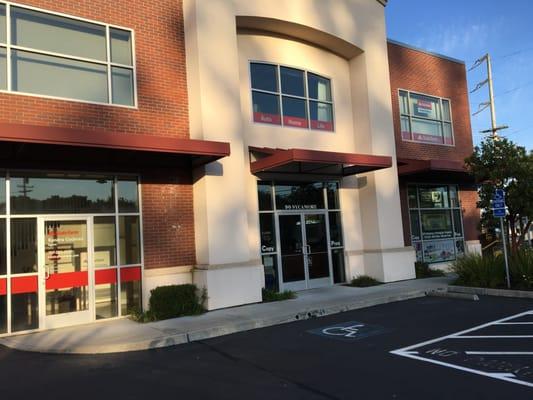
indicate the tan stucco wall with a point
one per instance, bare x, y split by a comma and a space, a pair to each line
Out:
220, 109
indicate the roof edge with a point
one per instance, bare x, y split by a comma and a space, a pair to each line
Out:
431, 53
383, 2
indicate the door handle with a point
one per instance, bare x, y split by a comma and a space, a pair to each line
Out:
47, 273
307, 249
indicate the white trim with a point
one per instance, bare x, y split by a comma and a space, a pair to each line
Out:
106, 63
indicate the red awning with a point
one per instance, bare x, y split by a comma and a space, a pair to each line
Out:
450, 169
313, 162
199, 151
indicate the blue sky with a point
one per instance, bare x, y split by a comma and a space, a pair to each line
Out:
468, 29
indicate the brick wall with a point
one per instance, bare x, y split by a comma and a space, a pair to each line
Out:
161, 79
162, 110
168, 220
421, 72
471, 214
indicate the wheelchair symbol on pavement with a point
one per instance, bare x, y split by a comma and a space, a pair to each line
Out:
346, 331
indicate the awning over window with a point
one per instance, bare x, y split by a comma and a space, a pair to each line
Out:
447, 169
30, 142
313, 162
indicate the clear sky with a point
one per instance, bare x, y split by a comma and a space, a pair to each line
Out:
467, 29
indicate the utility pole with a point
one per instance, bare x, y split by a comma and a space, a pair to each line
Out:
490, 103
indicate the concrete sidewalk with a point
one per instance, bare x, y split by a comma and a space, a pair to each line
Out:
125, 335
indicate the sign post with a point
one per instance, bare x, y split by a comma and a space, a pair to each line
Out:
498, 209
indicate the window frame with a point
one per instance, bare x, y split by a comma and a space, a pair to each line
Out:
410, 117
107, 63
280, 96
451, 209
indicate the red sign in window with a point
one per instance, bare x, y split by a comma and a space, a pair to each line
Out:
295, 121
103, 276
24, 284
67, 280
274, 119
3, 287
130, 274
428, 138
321, 125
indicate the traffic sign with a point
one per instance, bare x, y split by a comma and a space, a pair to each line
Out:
498, 204
499, 195
498, 212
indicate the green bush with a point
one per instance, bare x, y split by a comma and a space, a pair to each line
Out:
521, 269
271, 295
364, 281
175, 301
422, 270
475, 270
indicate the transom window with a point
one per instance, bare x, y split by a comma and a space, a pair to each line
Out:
436, 222
291, 97
47, 54
425, 119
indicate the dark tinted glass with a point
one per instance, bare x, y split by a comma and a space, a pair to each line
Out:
23, 245
3, 313
128, 200
337, 258
264, 77
264, 193
321, 116
270, 263
299, 196
319, 88
294, 107
292, 81
458, 224
413, 203
61, 195
2, 195
24, 315
434, 197
130, 297
335, 229
129, 236
436, 224
3, 253
333, 195
266, 108
268, 233
415, 225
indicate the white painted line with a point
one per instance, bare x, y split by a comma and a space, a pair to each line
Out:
491, 337
514, 323
502, 376
414, 346
503, 353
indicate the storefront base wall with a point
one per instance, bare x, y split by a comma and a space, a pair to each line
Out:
388, 265
473, 246
230, 285
163, 277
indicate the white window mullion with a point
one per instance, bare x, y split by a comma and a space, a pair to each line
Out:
8, 44
108, 55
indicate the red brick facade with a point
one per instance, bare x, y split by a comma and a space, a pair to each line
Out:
162, 111
429, 74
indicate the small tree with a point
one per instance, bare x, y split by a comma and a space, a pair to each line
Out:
499, 163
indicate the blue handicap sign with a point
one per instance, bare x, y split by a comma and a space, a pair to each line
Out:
498, 204
498, 212
499, 195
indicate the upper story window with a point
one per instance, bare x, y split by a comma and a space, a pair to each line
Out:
291, 97
425, 119
51, 55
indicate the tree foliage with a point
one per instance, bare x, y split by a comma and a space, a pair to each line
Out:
500, 163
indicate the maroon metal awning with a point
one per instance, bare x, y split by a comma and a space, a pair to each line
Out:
450, 169
314, 162
44, 142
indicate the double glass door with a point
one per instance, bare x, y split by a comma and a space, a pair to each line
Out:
65, 260
304, 255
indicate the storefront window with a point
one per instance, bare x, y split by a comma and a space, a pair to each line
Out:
2, 195
129, 236
23, 245
332, 191
128, 198
55, 195
268, 233
264, 193
435, 220
335, 229
104, 242
3, 250
24, 312
425, 119
302, 196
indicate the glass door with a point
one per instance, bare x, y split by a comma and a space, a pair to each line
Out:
316, 251
293, 270
65, 259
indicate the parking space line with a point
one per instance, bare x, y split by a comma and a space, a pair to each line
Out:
410, 351
498, 353
514, 323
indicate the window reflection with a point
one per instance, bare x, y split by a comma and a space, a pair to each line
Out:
61, 195
104, 242
128, 197
23, 245
129, 236
300, 196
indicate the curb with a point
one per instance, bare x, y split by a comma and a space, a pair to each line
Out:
452, 295
522, 294
220, 330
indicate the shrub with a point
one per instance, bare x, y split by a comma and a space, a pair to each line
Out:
521, 269
364, 281
271, 295
423, 271
475, 270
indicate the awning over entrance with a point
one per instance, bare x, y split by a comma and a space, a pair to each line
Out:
51, 143
434, 169
313, 162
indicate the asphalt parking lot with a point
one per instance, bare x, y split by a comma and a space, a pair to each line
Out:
428, 348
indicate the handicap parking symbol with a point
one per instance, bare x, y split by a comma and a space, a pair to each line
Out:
348, 331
